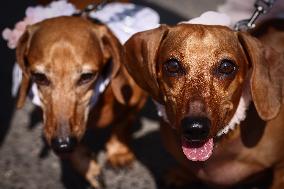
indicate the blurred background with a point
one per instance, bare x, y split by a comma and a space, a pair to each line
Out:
25, 160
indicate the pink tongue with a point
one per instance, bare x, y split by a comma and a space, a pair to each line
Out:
197, 152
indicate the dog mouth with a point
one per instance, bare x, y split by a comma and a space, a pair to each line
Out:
197, 150
201, 150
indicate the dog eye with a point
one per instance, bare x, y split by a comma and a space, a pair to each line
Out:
40, 79
173, 68
227, 68
86, 78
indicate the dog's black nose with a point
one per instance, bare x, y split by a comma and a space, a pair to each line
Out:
63, 144
195, 129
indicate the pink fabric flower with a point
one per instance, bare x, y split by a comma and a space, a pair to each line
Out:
34, 15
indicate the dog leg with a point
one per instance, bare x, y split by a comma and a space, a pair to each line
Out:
118, 153
83, 163
118, 150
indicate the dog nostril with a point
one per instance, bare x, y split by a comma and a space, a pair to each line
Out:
195, 128
63, 144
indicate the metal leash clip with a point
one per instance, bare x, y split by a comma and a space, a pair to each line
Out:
261, 7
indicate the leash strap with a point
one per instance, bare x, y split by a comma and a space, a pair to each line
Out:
91, 7
261, 7
102, 82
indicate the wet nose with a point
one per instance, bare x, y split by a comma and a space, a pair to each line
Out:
195, 128
63, 144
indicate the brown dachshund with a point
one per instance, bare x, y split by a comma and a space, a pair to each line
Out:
203, 79
71, 60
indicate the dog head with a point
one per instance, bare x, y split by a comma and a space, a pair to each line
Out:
64, 57
199, 74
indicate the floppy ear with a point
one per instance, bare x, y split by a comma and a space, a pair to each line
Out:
267, 77
141, 57
112, 49
21, 53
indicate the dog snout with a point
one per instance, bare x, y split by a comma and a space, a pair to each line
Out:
195, 129
62, 145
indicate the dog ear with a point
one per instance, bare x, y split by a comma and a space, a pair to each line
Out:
130, 92
267, 76
141, 57
21, 53
112, 49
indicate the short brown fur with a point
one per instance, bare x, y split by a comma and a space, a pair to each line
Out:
63, 49
257, 144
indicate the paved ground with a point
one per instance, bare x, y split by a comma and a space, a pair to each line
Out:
25, 160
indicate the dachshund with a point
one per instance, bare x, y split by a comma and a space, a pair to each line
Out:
203, 79
76, 66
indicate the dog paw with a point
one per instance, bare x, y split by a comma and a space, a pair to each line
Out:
118, 154
177, 177
93, 175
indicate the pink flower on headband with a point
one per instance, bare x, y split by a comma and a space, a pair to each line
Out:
34, 15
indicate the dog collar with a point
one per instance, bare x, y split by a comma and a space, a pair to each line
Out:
239, 115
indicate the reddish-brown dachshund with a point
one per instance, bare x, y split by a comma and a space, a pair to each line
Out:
76, 66
203, 79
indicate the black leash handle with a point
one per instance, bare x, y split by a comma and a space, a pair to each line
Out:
261, 7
